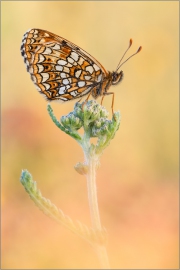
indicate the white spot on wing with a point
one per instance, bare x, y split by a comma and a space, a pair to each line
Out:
63, 75
40, 68
81, 61
47, 86
32, 40
46, 34
59, 68
56, 47
47, 51
99, 78
31, 70
90, 69
45, 77
66, 81
41, 58
87, 77
70, 60
67, 87
81, 83
74, 93
96, 67
69, 65
78, 73
62, 90
74, 56
62, 62
63, 98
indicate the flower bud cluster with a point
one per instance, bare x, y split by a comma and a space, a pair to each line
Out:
93, 118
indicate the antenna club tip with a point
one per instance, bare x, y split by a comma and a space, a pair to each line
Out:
140, 48
130, 42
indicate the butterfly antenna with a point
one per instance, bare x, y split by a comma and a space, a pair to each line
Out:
130, 43
120, 65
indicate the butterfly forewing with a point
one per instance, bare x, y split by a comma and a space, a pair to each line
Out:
60, 69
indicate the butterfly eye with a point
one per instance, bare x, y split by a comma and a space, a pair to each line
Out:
117, 77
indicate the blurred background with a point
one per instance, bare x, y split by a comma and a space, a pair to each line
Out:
138, 179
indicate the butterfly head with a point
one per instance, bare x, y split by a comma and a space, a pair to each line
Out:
117, 77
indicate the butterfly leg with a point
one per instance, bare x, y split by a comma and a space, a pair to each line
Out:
109, 93
86, 100
102, 99
80, 99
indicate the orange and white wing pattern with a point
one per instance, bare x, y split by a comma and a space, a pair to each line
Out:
61, 70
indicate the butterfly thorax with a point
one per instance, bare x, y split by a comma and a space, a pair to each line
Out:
111, 78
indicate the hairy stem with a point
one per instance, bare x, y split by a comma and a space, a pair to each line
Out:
92, 193
101, 251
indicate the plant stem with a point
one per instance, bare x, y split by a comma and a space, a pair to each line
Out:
92, 161
103, 257
92, 193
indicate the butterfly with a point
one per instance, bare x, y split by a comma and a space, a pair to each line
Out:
62, 71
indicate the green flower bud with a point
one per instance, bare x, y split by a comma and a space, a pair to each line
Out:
71, 122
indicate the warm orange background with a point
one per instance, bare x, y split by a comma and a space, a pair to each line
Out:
138, 178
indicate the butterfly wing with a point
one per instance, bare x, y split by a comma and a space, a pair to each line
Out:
60, 70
